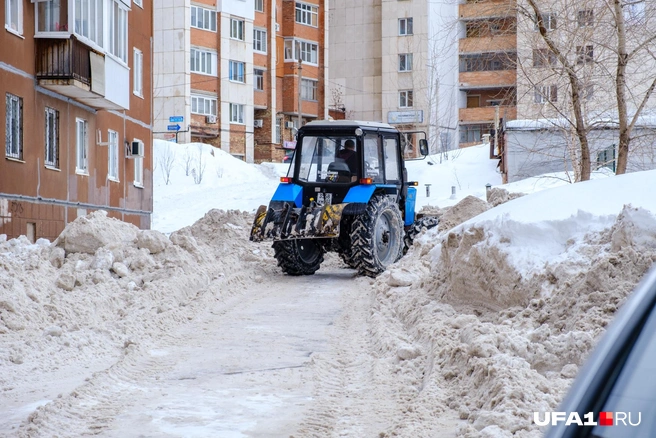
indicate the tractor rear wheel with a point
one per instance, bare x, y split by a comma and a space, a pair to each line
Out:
298, 256
377, 236
421, 224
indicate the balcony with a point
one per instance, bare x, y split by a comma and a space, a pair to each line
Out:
487, 79
497, 43
486, 114
71, 68
487, 9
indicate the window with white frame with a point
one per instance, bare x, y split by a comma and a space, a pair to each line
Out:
51, 15
237, 29
203, 61
118, 30
236, 113
81, 146
405, 26
307, 14
304, 50
14, 15
278, 130
89, 20
202, 18
546, 93
236, 71
203, 105
405, 62
14, 126
258, 80
52, 137
112, 159
259, 5
260, 40
308, 89
137, 73
138, 3
138, 167
548, 20
405, 99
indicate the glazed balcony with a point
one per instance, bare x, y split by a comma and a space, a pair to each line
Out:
496, 43
487, 9
486, 113
487, 79
71, 68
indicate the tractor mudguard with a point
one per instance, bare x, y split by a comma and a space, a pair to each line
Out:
360, 193
410, 200
283, 221
289, 192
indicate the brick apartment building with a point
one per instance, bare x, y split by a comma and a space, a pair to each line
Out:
75, 78
230, 72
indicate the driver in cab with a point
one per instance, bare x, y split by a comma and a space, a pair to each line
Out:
349, 156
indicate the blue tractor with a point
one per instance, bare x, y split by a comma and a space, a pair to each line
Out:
346, 191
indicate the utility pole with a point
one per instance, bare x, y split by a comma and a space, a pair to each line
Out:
300, 79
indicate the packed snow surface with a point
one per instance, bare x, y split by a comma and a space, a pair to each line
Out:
486, 320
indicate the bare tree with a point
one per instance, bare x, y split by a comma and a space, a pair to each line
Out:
199, 171
166, 161
188, 160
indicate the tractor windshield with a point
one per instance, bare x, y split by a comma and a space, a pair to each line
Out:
328, 159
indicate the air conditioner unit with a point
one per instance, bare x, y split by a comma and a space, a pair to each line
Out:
289, 125
258, 123
210, 119
137, 149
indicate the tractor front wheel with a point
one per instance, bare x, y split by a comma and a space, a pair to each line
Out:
377, 236
298, 256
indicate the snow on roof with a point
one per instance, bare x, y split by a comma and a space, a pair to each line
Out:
598, 122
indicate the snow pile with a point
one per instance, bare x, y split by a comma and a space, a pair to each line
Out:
505, 310
105, 287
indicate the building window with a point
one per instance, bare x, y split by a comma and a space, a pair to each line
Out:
138, 167
473, 133
89, 19
14, 15
405, 62
81, 146
488, 62
544, 58
278, 130
585, 18
138, 3
405, 26
607, 158
259, 79
203, 105
307, 14
260, 40
308, 89
549, 21
203, 61
118, 30
306, 51
202, 18
584, 54
546, 93
52, 16
52, 137
14, 127
236, 113
236, 71
137, 73
112, 160
237, 29
259, 5
405, 99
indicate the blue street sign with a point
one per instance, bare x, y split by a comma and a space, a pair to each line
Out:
176, 119
173, 127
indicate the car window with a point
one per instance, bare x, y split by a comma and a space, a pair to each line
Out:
372, 158
633, 396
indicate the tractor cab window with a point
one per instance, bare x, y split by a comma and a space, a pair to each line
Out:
328, 159
391, 151
373, 158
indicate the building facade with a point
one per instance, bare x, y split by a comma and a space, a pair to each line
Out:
234, 73
75, 78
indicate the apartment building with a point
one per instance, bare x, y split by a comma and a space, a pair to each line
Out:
240, 75
487, 52
75, 78
396, 61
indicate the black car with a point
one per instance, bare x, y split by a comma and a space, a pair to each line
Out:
614, 394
